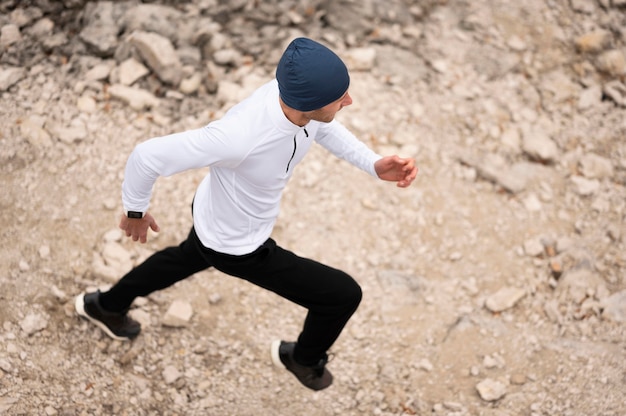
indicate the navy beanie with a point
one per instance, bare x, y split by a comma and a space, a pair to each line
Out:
310, 75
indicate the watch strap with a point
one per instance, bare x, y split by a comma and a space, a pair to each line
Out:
134, 214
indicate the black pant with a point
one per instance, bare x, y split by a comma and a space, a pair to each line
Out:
330, 295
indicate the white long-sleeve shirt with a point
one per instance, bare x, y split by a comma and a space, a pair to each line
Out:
252, 152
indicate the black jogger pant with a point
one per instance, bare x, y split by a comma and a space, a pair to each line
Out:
330, 295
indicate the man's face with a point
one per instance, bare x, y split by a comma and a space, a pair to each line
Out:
327, 113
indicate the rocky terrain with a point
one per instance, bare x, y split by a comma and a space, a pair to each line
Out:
495, 285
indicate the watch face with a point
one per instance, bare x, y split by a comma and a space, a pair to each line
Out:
135, 214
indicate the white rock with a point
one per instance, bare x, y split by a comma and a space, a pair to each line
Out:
561, 86
58, 293
412, 31
100, 29
51, 411
34, 322
5, 365
99, 72
110, 204
551, 308
614, 307
616, 90
42, 29
463, 90
593, 166
294, 17
24, 266
189, 55
583, 6
455, 256
54, 41
533, 247
131, 70
425, 364
614, 232
102, 271
228, 92
493, 361
590, 97
227, 56
44, 251
154, 18
113, 235
361, 59
491, 390
539, 145
10, 34
504, 299
159, 54
86, 104
192, 84
215, 298
136, 98
75, 132
575, 283
511, 138
593, 42
170, 374
494, 168
532, 203
516, 43
584, 186
564, 244
440, 66
417, 110
178, 314
116, 256
601, 204
10, 77
142, 317
612, 62
33, 131
218, 40
25, 16
454, 406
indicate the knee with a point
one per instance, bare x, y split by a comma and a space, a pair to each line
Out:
352, 293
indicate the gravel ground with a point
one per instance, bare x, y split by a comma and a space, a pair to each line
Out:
494, 285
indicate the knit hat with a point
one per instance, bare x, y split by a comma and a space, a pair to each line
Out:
310, 75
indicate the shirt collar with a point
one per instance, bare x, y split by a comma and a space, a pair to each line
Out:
280, 121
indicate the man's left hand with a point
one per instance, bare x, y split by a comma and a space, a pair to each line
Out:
396, 169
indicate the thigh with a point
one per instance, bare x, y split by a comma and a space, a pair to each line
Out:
301, 280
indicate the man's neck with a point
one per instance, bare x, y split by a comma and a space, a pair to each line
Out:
296, 117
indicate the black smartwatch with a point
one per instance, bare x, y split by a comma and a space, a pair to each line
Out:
134, 214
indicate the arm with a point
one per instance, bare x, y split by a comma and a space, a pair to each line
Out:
340, 141
343, 144
165, 156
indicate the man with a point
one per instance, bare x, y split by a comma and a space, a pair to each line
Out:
252, 152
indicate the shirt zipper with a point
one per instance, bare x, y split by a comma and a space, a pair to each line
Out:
295, 147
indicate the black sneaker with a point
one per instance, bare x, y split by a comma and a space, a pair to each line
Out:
315, 377
118, 326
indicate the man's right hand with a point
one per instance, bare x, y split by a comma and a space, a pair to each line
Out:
137, 228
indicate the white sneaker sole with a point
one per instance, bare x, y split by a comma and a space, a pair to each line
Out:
79, 305
275, 354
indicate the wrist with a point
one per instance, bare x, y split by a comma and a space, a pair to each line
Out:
134, 214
